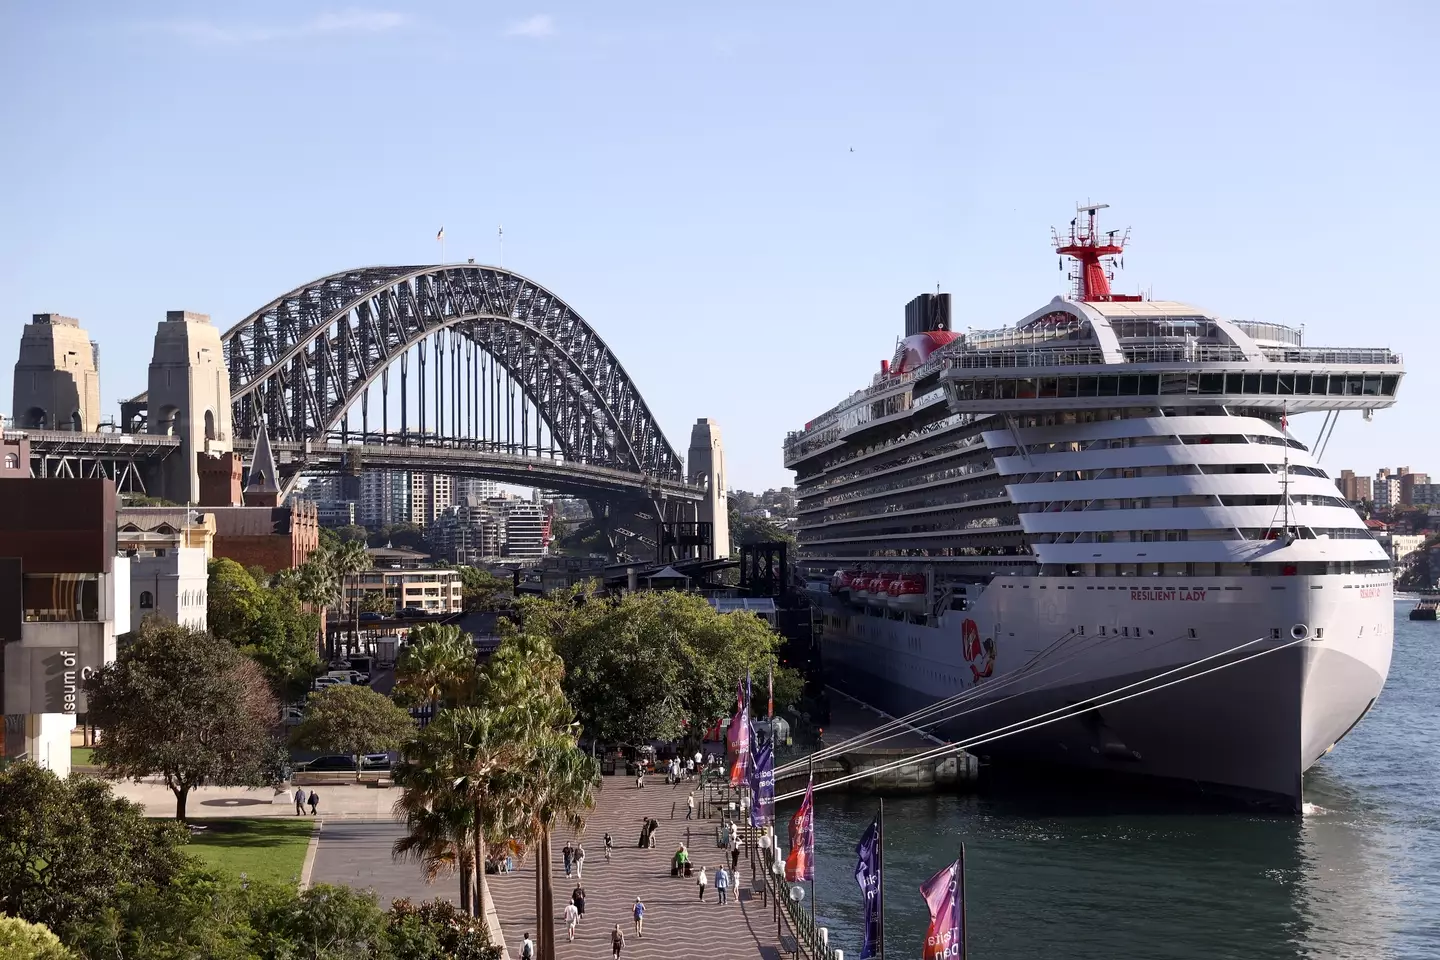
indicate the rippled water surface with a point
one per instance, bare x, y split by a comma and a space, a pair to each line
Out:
1057, 871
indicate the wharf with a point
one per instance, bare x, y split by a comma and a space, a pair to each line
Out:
851, 719
677, 923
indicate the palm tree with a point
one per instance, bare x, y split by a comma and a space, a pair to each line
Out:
466, 758
318, 586
350, 560
437, 835
438, 663
557, 788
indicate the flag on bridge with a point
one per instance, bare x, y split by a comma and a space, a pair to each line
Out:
800, 861
945, 896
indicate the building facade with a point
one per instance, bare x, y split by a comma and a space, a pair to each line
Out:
170, 583
1353, 488
384, 498
64, 597
430, 494
272, 538
57, 377
434, 591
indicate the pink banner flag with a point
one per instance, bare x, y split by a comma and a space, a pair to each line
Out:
800, 861
944, 893
738, 737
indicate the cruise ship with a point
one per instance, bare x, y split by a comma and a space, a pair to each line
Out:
1095, 533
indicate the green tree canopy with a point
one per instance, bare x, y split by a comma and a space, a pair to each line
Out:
354, 720
268, 623
482, 590
21, 940
185, 705
437, 664
67, 845
652, 664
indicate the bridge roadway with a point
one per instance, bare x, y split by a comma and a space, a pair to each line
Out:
457, 458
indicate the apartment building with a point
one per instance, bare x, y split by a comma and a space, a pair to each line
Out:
434, 591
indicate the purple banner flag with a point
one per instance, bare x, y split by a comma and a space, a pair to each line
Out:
868, 865
944, 893
762, 785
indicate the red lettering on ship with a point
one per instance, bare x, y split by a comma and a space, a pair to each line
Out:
1372, 592
1180, 595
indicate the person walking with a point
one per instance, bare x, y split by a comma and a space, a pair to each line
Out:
577, 897
314, 803
299, 801
690, 806
609, 845
527, 948
735, 848
702, 881
569, 854
639, 913
722, 884
579, 861
572, 917
617, 942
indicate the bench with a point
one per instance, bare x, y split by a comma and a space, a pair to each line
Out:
788, 944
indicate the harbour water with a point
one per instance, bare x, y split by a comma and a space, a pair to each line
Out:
1089, 872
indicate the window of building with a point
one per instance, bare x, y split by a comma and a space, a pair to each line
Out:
62, 597
147, 600
12, 461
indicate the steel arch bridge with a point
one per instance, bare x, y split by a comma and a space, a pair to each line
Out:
476, 361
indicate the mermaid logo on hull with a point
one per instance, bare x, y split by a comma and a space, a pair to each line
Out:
980, 654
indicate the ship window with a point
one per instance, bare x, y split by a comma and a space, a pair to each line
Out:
1387, 388
1048, 387
1149, 384
1252, 383
1372, 385
1109, 386
1267, 384
1354, 385
1069, 386
1007, 389
1173, 383
1302, 384
1234, 383
1089, 386
1212, 383
1287, 385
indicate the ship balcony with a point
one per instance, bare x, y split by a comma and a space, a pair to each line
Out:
1042, 389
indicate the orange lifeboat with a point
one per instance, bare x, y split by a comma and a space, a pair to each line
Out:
860, 586
880, 588
907, 593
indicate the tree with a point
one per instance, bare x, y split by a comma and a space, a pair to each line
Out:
437, 664
789, 688
376, 602
482, 590
20, 940
67, 845
745, 530
352, 720
269, 624
349, 562
185, 705
650, 665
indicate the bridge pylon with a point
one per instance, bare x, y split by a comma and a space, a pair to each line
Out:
189, 398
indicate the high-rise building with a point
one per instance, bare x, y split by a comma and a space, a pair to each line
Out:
458, 534
1386, 489
1353, 488
384, 498
430, 494
527, 528
476, 488
1408, 482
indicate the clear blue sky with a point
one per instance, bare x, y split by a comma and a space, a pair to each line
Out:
684, 177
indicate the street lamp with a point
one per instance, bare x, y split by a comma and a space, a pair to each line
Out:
797, 892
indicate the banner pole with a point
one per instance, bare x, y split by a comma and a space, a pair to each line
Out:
964, 926
811, 859
880, 858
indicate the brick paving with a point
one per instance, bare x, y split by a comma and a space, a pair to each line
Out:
677, 924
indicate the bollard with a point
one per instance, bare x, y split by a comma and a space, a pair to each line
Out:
824, 936
839, 955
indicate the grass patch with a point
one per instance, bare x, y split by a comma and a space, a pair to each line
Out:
81, 756
270, 849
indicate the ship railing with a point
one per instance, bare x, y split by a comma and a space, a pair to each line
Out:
1009, 336
1278, 332
1025, 358
1181, 353
1340, 355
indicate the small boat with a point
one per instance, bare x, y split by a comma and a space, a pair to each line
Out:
1426, 609
908, 593
860, 587
880, 589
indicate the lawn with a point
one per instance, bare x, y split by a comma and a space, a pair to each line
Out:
271, 849
80, 756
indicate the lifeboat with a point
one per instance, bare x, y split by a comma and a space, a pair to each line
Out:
860, 587
880, 589
843, 582
908, 593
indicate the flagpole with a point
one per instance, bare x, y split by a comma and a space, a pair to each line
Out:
811, 864
964, 927
880, 859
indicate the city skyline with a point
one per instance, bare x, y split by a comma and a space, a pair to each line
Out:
815, 163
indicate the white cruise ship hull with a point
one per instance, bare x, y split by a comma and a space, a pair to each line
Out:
1249, 728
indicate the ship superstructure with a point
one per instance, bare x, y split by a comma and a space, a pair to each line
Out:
1105, 491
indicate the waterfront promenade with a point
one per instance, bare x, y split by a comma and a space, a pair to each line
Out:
677, 924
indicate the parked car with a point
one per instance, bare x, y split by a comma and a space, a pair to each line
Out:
325, 682
291, 715
370, 616
412, 612
375, 761
328, 764
350, 676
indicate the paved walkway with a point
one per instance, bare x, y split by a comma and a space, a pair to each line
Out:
340, 802
677, 924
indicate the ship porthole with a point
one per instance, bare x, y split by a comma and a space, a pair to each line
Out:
1299, 631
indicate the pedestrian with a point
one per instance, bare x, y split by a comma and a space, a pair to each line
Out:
734, 849
722, 883
314, 803
698, 758
569, 853
689, 769
609, 845
701, 881
639, 912
572, 916
577, 897
527, 949
690, 806
299, 801
579, 861
617, 940
709, 758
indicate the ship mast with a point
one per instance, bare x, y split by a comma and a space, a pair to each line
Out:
1095, 254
